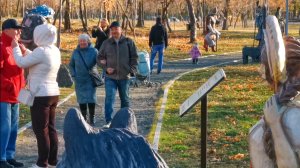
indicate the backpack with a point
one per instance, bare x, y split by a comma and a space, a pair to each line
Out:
34, 17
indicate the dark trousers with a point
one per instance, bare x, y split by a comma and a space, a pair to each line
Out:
43, 125
83, 109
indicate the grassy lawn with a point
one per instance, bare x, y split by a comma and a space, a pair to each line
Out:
233, 107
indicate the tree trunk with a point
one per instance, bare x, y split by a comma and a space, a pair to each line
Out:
165, 7
140, 22
59, 25
18, 8
23, 8
237, 18
81, 16
204, 18
199, 14
295, 9
118, 14
226, 10
193, 31
67, 23
85, 15
126, 18
57, 13
108, 16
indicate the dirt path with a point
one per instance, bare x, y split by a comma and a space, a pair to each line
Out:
143, 103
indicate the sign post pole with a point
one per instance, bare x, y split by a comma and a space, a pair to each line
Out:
201, 95
203, 131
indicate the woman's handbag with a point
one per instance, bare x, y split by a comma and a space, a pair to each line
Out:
96, 78
26, 97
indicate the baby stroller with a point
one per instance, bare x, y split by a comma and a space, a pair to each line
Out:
143, 70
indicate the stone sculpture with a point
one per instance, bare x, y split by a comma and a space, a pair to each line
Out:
117, 147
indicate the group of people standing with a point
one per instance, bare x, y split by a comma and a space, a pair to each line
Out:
113, 52
43, 64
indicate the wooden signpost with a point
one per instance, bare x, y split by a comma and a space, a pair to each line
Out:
201, 94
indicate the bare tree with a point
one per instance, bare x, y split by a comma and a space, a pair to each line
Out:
67, 23
193, 31
126, 21
85, 14
59, 25
165, 7
18, 8
84, 24
140, 22
226, 11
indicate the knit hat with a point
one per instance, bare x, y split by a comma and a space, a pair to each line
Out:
84, 37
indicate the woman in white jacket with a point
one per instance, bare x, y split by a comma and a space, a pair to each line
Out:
43, 63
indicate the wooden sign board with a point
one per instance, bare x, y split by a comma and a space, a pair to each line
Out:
203, 90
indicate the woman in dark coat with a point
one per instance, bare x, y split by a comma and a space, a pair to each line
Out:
101, 33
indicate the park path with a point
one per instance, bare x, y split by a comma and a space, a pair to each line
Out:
143, 101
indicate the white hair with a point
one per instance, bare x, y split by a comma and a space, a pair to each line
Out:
84, 37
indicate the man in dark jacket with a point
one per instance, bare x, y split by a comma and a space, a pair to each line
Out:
118, 58
158, 41
11, 82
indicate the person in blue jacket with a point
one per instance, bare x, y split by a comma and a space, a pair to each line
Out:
84, 88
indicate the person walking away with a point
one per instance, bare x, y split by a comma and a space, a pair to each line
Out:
195, 53
43, 63
11, 82
158, 42
85, 90
118, 57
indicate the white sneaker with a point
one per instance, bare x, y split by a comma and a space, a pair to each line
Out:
36, 166
107, 125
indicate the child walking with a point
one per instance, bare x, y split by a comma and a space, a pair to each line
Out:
195, 53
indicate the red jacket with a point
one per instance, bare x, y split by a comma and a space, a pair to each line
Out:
11, 76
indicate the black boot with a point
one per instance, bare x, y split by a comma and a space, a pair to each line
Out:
83, 109
92, 113
15, 163
84, 115
5, 164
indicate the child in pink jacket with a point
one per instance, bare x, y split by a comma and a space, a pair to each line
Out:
195, 53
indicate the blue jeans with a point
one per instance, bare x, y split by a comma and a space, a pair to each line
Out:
111, 86
9, 119
160, 49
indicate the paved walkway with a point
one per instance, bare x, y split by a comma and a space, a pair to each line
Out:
143, 103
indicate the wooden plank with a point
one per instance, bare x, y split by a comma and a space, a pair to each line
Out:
203, 90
